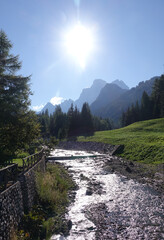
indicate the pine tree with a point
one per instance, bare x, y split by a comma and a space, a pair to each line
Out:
137, 111
158, 97
146, 107
58, 121
151, 107
76, 122
70, 116
86, 120
18, 125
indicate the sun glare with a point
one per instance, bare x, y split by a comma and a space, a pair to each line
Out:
79, 43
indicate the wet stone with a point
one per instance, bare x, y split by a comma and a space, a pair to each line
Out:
91, 228
128, 169
89, 192
69, 224
117, 207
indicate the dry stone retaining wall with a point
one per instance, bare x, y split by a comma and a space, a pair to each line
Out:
11, 210
17, 199
28, 185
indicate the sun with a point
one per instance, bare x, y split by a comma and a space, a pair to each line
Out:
79, 43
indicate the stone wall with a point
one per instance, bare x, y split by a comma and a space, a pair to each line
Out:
28, 185
17, 199
11, 210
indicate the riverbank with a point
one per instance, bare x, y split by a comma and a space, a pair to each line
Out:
55, 190
143, 141
152, 175
109, 205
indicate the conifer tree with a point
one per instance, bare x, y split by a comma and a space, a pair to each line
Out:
158, 97
146, 107
18, 125
86, 120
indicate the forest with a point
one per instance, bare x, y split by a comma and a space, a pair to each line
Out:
71, 124
151, 107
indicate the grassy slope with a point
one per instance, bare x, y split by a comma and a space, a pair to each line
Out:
143, 141
47, 216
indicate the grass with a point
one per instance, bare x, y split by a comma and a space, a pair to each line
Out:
53, 186
143, 141
47, 216
19, 157
18, 161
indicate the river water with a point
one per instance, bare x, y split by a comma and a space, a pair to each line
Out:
109, 206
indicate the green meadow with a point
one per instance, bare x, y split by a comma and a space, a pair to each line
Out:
143, 141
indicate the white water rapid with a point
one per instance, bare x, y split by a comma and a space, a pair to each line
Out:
120, 208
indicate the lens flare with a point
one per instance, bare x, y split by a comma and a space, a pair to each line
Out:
77, 3
79, 43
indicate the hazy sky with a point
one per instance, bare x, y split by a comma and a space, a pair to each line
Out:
128, 39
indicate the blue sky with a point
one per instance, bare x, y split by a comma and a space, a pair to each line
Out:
128, 39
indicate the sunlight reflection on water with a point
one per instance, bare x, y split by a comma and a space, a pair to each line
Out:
137, 207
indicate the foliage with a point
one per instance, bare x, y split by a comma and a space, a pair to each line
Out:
52, 187
158, 97
114, 109
143, 141
86, 120
151, 106
46, 218
18, 125
74, 123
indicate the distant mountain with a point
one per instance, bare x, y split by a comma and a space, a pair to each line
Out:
116, 107
107, 99
50, 107
121, 84
108, 94
66, 105
89, 95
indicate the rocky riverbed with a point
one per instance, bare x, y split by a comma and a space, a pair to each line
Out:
114, 199
151, 175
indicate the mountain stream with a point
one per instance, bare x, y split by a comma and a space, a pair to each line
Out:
109, 206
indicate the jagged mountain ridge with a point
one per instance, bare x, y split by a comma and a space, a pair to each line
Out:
116, 107
66, 105
50, 107
108, 93
89, 95
121, 84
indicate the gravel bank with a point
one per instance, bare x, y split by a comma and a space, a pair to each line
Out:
109, 205
151, 175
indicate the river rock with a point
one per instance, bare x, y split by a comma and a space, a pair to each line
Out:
69, 224
89, 192
128, 169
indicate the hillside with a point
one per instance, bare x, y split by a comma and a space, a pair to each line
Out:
66, 105
143, 141
114, 109
108, 93
121, 84
50, 107
89, 95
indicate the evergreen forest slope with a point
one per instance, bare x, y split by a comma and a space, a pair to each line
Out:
143, 141
115, 108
